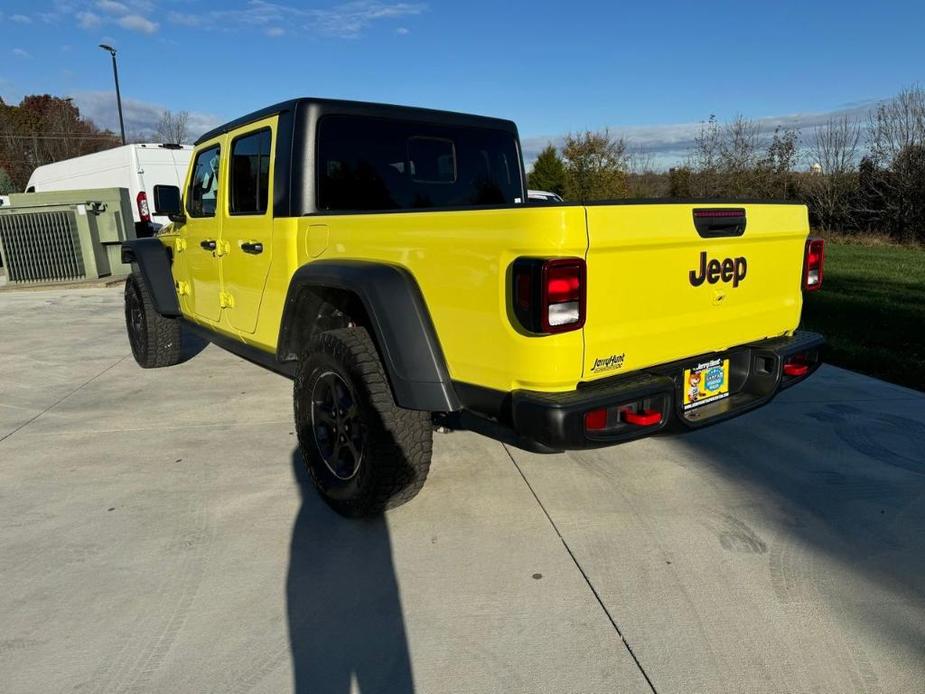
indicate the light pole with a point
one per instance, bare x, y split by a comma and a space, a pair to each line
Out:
115, 74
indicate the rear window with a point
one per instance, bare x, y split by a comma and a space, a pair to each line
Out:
378, 164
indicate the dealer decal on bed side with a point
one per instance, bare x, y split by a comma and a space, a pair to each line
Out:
611, 363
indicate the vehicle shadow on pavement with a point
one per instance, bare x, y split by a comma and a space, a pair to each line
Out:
343, 605
191, 344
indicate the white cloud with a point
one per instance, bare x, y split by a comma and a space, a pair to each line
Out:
135, 22
350, 19
402, 31
346, 20
20, 53
141, 117
112, 6
185, 19
20, 18
669, 144
88, 20
274, 32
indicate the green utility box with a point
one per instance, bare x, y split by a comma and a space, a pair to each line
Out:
66, 235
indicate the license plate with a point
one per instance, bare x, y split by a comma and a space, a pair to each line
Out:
705, 383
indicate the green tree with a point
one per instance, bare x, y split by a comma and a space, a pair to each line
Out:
679, 182
595, 166
548, 172
906, 198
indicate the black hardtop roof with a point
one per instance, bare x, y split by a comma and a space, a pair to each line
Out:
360, 108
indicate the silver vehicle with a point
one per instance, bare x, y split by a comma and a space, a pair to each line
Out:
543, 196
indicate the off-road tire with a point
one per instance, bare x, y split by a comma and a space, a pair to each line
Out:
155, 340
396, 451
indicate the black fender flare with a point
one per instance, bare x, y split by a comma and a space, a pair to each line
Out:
400, 322
153, 260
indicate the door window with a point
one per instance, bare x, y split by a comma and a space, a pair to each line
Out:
203, 190
250, 173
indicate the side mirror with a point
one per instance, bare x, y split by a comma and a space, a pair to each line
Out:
167, 202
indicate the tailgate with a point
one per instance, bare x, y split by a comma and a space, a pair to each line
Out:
671, 281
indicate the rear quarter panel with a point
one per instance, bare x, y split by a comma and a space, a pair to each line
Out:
461, 261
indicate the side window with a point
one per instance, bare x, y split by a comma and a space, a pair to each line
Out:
203, 188
250, 173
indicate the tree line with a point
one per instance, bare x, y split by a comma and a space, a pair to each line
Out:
855, 176
42, 129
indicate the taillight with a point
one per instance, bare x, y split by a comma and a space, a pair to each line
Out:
812, 264
549, 295
142, 201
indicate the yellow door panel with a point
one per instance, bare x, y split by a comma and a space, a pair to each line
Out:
202, 232
247, 221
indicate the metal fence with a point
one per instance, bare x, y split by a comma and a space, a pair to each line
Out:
41, 247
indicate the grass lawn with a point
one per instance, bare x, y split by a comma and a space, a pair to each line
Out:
871, 309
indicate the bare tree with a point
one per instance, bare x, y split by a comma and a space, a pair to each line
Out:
773, 174
834, 146
738, 146
173, 127
832, 190
701, 170
643, 178
897, 124
724, 158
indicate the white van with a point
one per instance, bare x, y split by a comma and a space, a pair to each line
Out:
136, 167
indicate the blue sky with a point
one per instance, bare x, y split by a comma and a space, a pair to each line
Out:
651, 70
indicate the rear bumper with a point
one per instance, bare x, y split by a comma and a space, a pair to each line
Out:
756, 375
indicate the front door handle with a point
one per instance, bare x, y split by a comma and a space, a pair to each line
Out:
207, 244
252, 247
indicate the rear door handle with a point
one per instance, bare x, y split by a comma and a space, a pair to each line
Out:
207, 244
252, 247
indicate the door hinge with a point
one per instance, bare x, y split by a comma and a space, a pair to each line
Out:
222, 248
225, 300
182, 288
180, 245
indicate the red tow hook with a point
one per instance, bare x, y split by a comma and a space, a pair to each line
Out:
796, 366
646, 418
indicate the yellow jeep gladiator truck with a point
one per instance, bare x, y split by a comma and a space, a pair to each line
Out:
387, 259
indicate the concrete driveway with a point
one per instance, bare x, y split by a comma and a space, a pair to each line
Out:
158, 534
